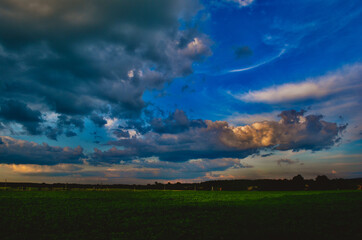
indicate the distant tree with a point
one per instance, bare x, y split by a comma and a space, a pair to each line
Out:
297, 182
322, 179
298, 178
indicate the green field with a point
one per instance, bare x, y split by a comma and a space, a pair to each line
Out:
151, 214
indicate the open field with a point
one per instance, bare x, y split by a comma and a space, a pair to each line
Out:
152, 214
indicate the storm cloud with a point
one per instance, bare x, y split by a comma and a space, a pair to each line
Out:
218, 139
175, 123
85, 58
13, 151
19, 112
65, 124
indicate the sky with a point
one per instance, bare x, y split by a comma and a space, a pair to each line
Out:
138, 91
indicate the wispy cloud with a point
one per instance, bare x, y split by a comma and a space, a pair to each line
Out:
242, 3
286, 161
257, 65
348, 78
212, 72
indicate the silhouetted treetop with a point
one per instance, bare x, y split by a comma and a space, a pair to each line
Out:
298, 178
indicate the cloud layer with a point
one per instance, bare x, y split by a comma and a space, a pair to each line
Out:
179, 139
92, 58
182, 141
13, 151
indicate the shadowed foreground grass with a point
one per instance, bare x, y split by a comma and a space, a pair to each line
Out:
153, 214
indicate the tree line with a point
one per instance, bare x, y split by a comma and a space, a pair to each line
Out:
296, 183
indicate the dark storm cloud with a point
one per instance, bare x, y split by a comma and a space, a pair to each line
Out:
76, 57
52, 133
175, 123
172, 141
70, 134
120, 133
291, 116
311, 132
14, 151
98, 120
140, 126
64, 124
15, 111
67, 121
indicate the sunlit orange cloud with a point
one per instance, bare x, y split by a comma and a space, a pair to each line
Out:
32, 168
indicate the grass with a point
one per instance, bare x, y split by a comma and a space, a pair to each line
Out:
151, 214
